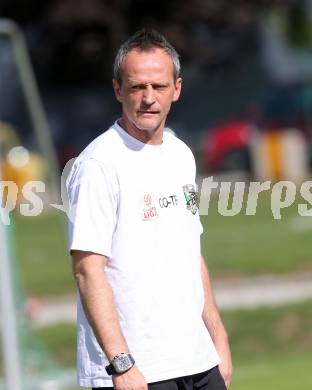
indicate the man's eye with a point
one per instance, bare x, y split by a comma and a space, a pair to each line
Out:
136, 87
160, 87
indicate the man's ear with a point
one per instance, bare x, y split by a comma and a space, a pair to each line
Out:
117, 90
177, 89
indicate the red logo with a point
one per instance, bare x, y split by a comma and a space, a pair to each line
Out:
149, 211
147, 199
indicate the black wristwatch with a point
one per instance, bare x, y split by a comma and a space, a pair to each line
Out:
120, 364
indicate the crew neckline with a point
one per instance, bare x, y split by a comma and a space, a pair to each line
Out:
136, 142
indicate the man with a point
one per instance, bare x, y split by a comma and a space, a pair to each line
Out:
146, 312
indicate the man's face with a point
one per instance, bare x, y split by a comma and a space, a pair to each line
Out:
147, 89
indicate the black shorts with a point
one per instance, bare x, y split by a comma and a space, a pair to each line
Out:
208, 380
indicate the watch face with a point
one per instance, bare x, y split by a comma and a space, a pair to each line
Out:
122, 363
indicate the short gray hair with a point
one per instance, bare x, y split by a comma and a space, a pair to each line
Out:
145, 40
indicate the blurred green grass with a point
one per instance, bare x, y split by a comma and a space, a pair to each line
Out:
271, 347
290, 372
251, 245
240, 246
42, 256
270, 331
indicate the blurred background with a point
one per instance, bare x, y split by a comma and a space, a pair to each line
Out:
246, 112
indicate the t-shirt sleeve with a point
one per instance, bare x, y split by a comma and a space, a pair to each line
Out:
200, 226
93, 205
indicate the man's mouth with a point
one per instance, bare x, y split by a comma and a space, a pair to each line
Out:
143, 112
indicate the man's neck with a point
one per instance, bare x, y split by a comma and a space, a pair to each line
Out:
154, 137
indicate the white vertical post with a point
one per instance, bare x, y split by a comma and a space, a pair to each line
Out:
32, 98
11, 358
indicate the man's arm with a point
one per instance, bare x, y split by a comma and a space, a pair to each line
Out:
214, 324
100, 308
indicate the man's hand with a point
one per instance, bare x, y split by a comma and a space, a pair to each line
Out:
130, 380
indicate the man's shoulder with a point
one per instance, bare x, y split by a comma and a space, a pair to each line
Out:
102, 147
96, 160
97, 157
178, 145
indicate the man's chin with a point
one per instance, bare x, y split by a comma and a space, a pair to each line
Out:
150, 128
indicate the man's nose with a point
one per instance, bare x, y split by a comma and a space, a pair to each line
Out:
148, 95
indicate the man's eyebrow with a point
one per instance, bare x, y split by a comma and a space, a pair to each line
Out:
160, 83
132, 81
136, 83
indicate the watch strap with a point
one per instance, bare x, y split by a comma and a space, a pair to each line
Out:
110, 369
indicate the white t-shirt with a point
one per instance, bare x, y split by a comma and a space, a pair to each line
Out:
135, 204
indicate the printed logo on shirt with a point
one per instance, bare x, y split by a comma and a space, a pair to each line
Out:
190, 197
149, 211
168, 201
148, 199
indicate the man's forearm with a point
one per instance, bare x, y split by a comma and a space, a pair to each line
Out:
211, 314
100, 308
215, 327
